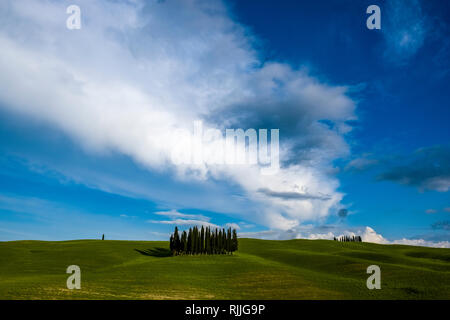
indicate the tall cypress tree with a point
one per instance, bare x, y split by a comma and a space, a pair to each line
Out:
202, 241
221, 236
171, 243
189, 247
194, 240
198, 241
176, 239
234, 241
184, 242
180, 251
216, 242
219, 241
209, 241
206, 240
229, 240
224, 241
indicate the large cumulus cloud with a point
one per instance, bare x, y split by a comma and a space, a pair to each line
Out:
139, 70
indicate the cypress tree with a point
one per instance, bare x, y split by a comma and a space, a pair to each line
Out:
207, 240
202, 241
224, 241
197, 236
184, 242
194, 240
229, 240
198, 241
181, 244
189, 248
216, 242
211, 241
219, 242
177, 242
234, 241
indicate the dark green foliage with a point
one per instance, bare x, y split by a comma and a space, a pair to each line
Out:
216, 242
175, 242
348, 239
229, 246
184, 241
203, 241
234, 241
189, 247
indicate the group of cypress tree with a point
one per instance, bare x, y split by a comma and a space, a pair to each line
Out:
348, 239
203, 241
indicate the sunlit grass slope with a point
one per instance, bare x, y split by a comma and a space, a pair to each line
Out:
260, 269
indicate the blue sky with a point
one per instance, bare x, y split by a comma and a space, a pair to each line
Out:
86, 117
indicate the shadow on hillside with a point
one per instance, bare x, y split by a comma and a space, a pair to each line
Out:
155, 252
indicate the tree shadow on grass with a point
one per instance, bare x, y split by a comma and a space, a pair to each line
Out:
155, 252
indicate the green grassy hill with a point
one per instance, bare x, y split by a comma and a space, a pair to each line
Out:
261, 269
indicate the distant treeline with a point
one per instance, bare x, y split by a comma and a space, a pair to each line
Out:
348, 239
203, 241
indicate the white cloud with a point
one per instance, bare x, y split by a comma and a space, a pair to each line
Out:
361, 163
233, 226
422, 243
130, 77
176, 214
441, 184
246, 225
187, 222
323, 236
367, 234
430, 211
183, 219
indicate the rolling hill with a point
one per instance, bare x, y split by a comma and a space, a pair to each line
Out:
260, 269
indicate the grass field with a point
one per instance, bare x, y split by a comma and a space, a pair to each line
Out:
260, 269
